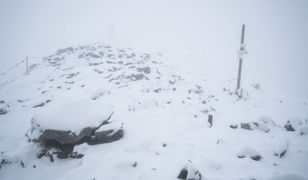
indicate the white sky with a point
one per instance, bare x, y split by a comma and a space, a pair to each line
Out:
277, 33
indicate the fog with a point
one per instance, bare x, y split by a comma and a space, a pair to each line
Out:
206, 33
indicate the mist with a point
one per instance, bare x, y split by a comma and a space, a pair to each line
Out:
205, 33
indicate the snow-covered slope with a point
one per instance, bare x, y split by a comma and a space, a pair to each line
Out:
163, 107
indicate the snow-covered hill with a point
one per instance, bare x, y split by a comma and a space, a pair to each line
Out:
163, 107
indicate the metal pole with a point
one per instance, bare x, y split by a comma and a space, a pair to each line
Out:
241, 52
27, 65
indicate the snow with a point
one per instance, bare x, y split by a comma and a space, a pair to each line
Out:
73, 116
165, 130
288, 176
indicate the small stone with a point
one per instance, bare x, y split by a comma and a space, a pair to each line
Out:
256, 158
246, 126
22, 164
233, 126
135, 164
157, 90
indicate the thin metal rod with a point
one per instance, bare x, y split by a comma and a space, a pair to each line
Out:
27, 65
239, 74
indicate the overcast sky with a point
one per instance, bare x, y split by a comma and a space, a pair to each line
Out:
208, 31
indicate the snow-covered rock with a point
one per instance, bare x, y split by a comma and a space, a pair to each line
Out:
189, 173
253, 154
293, 124
72, 116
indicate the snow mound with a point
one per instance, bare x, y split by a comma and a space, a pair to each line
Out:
288, 177
73, 116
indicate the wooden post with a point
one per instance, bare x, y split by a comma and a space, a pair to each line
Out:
27, 65
241, 53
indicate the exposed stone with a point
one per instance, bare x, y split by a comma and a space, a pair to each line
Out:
253, 154
189, 173
256, 158
61, 143
246, 126
3, 111
136, 77
4, 162
157, 90
146, 70
303, 130
289, 126
135, 164
183, 174
233, 126
106, 137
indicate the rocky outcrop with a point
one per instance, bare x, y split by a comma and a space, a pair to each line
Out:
61, 142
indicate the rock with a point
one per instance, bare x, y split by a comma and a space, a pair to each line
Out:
256, 86
183, 174
4, 162
146, 70
262, 127
189, 173
255, 125
289, 126
256, 158
3, 110
281, 149
61, 51
267, 120
60, 137
293, 124
22, 164
233, 126
106, 137
41, 104
253, 154
303, 130
136, 77
135, 164
246, 126
157, 90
